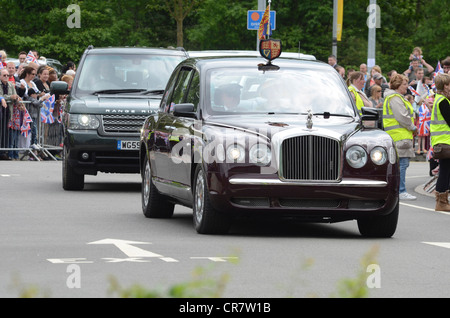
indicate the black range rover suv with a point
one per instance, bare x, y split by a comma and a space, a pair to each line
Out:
114, 91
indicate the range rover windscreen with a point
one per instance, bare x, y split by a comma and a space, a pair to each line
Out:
126, 72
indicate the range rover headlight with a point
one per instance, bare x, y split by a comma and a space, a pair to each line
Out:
379, 156
356, 156
81, 121
235, 153
260, 154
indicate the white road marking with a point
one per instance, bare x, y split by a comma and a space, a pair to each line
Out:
423, 208
440, 244
69, 261
215, 258
129, 250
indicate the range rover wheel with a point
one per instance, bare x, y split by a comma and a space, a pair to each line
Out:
379, 226
154, 205
207, 220
70, 179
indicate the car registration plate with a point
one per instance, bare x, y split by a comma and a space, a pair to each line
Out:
127, 145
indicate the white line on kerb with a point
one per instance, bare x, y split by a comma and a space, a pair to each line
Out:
422, 208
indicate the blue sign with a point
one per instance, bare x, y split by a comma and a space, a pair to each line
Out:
254, 19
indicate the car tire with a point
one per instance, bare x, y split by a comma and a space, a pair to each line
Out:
71, 180
154, 204
383, 226
207, 220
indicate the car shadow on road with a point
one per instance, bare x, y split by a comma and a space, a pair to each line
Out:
112, 187
276, 227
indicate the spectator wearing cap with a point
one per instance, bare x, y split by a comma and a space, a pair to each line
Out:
379, 81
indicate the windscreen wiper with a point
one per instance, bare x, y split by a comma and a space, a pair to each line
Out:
118, 91
153, 91
328, 114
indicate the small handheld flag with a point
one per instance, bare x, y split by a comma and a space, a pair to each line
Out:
438, 69
31, 58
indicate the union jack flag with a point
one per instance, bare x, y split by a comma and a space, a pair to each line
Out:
413, 91
31, 58
430, 153
47, 110
25, 128
427, 89
424, 120
438, 69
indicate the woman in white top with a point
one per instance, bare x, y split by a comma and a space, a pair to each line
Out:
28, 90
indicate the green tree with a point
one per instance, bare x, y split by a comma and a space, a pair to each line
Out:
221, 24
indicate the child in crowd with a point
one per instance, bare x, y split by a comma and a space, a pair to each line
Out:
14, 126
416, 54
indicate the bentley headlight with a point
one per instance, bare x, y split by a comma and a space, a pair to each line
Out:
356, 156
235, 153
378, 156
83, 122
260, 154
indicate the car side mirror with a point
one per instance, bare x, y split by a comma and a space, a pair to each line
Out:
59, 87
370, 117
185, 110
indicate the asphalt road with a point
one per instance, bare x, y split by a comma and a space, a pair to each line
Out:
97, 243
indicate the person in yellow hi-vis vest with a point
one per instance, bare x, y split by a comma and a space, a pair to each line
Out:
440, 134
398, 122
356, 83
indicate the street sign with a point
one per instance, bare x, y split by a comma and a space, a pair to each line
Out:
254, 18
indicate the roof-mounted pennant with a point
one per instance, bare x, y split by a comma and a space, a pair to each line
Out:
270, 49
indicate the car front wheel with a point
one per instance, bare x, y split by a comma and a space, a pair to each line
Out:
70, 179
207, 220
379, 226
154, 204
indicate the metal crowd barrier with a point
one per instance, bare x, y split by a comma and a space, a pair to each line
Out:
49, 139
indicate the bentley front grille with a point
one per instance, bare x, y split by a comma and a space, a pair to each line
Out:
310, 158
123, 124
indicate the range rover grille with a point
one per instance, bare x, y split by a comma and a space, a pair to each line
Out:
123, 124
312, 158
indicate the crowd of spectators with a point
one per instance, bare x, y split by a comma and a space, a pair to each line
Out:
407, 104
420, 91
29, 115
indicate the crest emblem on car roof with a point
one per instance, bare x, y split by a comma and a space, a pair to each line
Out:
270, 49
